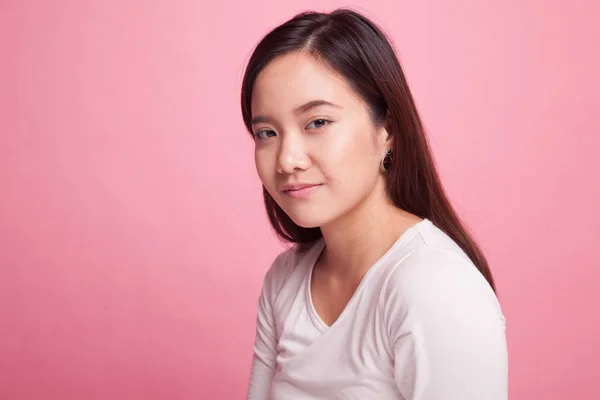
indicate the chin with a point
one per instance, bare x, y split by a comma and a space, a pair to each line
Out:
307, 221
309, 218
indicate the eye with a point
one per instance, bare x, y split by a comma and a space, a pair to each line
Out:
319, 123
263, 134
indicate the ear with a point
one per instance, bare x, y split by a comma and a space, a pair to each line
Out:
384, 137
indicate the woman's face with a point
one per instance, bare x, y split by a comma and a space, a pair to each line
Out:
317, 152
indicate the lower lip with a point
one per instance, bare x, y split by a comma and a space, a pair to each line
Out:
302, 193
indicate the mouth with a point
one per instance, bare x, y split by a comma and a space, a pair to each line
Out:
302, 191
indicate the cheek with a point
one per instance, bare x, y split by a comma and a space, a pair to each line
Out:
350, 151
264, 167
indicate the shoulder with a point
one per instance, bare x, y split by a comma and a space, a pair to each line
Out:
429, 268
444, 324
432, 281
280, 268
283, 267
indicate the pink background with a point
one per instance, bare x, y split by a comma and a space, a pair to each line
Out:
133, 240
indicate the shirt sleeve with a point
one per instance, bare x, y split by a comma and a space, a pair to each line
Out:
446, 329
265, 342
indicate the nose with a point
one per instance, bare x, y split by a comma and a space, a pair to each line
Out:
292, 154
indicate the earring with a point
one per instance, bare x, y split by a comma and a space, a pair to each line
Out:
386, 161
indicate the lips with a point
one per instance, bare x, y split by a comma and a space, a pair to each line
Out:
296, 187
300, 190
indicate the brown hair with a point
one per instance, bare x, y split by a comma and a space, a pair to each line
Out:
357, 49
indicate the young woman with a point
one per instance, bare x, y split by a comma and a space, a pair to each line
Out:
384, 295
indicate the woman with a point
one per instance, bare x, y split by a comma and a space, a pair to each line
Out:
384, 294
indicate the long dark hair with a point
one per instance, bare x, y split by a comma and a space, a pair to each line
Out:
358, 50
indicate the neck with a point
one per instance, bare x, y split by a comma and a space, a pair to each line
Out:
358, 239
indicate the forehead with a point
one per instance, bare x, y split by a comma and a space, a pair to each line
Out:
296, 78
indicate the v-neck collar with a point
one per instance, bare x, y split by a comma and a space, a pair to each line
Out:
312, 260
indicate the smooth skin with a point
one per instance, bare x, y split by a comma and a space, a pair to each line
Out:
302, 139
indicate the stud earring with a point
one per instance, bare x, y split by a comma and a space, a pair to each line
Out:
386, 161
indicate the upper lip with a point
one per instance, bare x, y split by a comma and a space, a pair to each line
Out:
297, 186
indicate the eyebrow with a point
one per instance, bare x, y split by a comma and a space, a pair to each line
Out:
298, 110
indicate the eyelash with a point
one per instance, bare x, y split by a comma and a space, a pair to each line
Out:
325, 120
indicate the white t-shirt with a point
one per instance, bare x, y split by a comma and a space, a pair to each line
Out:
423, 324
